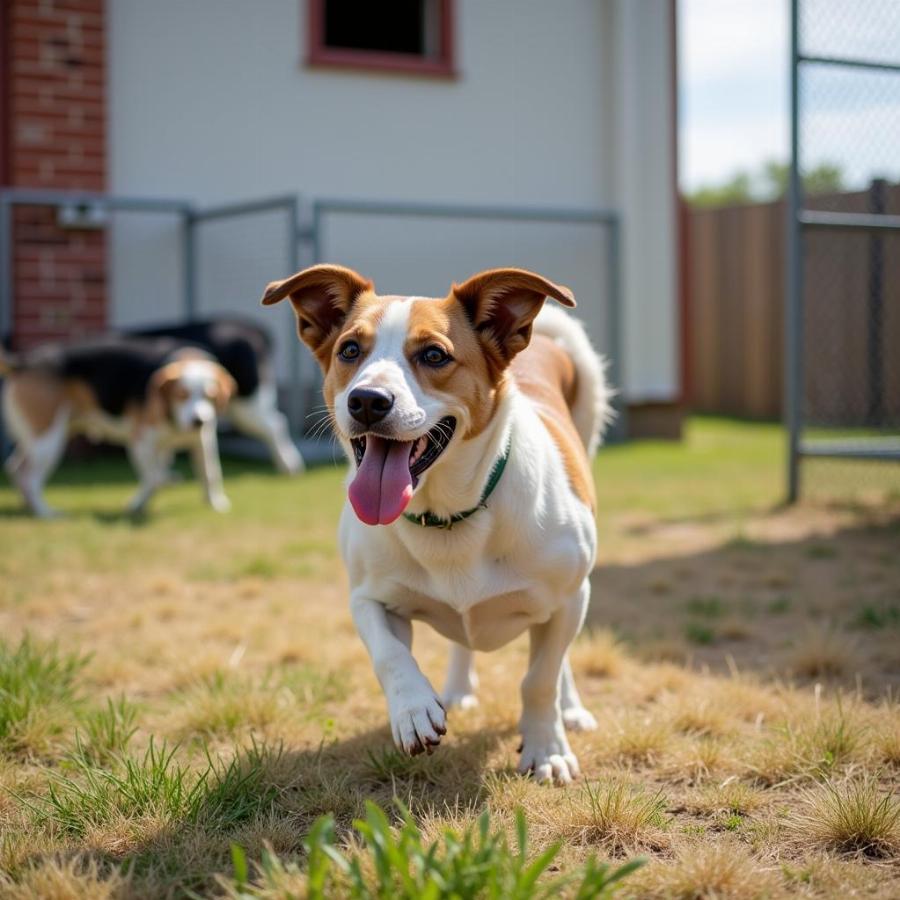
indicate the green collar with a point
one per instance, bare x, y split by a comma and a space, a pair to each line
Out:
430, 520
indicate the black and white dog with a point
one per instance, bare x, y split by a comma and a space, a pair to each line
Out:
244, 350
154, 396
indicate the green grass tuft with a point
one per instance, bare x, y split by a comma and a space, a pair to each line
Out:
854, 817
37, 682
398, 863
878, 617
107, 732
616, 816
779, 605
710, 607
86, 795
698, 633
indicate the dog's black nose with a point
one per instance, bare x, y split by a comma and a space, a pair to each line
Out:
369, 405
196, 422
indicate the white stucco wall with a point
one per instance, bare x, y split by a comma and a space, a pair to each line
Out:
562, 104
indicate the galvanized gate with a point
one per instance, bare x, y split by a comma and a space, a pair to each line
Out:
219, 258
845, 111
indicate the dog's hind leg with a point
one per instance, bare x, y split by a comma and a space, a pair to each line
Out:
260, 417
152, 467
545, 749
15, 464
462, 681
39, 460
37, 418
575, 716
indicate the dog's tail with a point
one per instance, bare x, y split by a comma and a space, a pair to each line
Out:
592, 410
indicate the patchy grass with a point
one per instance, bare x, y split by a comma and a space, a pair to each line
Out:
37, 694
107, 732
174, 686
398, 863
724, 870
857, 816
823, 651
617, 817
153, 787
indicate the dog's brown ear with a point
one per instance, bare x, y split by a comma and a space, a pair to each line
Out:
502, 304
322, 296
226, 388
159, 392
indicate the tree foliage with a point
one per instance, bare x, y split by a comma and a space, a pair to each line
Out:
769, 182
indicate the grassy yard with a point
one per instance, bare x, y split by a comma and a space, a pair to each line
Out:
175, 687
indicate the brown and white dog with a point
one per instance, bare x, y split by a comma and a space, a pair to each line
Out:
154, 396
469, 421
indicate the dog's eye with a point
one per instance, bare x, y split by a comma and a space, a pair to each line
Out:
349, 351
435, 356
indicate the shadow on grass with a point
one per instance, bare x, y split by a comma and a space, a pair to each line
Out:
821, 608
271, 798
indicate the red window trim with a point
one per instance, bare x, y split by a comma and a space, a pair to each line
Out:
318, 54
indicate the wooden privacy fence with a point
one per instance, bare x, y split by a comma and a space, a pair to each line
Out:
735, 309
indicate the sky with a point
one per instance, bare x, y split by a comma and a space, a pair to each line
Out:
733, 59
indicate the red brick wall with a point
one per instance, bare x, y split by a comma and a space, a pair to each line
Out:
56, 95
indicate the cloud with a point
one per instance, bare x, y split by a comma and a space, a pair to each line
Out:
727, 38
733, 69
733, 58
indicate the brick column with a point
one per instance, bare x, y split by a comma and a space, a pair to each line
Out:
56, 98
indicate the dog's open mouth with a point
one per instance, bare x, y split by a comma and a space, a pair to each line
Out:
388, 471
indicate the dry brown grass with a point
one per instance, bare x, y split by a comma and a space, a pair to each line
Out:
856, 816
725, 870
229, 632
599, 654
73, 879
729, 797
823, 651
638, 739
617, 816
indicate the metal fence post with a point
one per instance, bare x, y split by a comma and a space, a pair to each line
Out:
189, 262
615, 324
875, 312
297, 396
793, 288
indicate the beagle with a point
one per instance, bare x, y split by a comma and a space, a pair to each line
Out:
154, 396
244, 350
469, 422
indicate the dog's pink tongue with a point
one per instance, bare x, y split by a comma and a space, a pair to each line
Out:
383, 485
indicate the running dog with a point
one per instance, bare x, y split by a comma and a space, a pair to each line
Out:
469, 422
244, 350
154, 396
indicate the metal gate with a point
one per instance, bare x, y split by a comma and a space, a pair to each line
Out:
845, 110
222, 256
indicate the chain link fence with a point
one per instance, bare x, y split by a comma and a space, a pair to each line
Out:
843, 296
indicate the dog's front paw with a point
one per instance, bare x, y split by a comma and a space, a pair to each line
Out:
47, 512
418, 721
459, 699
220, 503
137, 506
547, 756
577, 718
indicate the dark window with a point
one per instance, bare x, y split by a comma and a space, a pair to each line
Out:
402, 35
395, 27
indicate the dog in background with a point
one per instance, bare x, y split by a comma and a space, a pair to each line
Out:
154, 396
244, 350
469, 422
